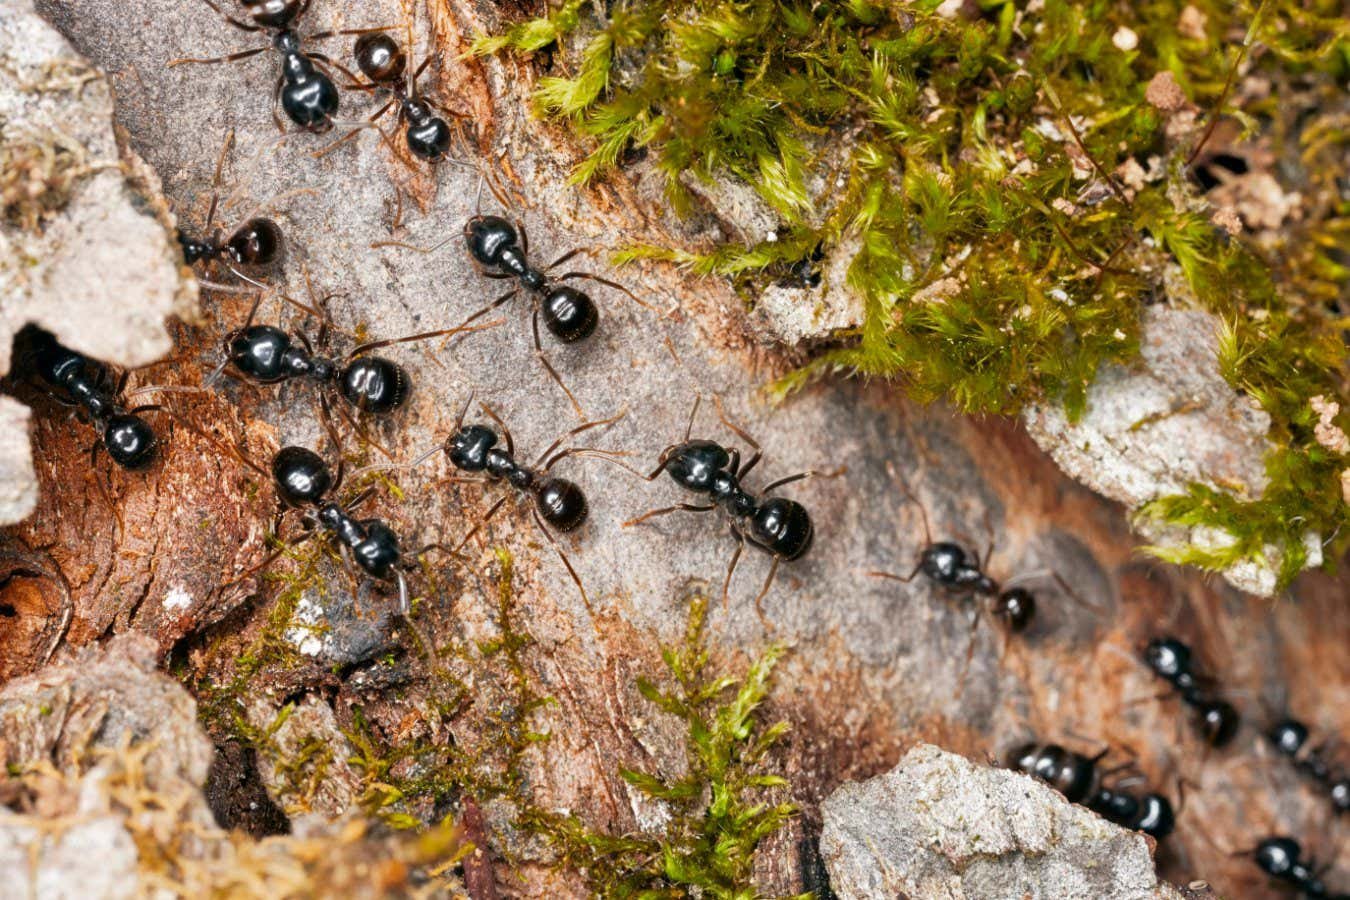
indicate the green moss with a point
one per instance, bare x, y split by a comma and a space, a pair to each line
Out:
717, 813
977, 153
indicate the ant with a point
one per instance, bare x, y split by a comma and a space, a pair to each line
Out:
305, 91
1077, 778
960, 573
501, 247
382, 61
266, 354
1290, 739
559, 504
1281, 859
780, 527
1170, 659
256, 243
126, 436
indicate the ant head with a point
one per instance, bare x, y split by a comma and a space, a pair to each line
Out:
488, 236
569, 314
374, 384
1218, 722
783, 527
273, 13
1288, 736
943, 561
259, 352
258, 242
468, 448
1016, 607
55, 364
380, 58
302, 477
428, 136
1277, 856
561, 503
695, 464
1168, 657
1022, 757
129, 441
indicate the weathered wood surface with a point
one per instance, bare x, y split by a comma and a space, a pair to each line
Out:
874, 666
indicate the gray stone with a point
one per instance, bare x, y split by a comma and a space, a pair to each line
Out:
939, 827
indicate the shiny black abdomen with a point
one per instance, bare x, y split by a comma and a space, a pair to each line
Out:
569, 315
374, 384
561, 504
783, 527
129, 441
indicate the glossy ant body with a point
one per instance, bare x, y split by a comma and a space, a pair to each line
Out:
382, 61
557, 503
1077, 778
256, 243
1290, 739
266, 354
306, 92
126, 436
501, 248
1170, 659
962, 574
780, 527
1282, 859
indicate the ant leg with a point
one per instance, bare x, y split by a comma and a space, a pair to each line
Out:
909, 495
764, 591
610, 284
237, 23
506, 432
369, 123
970, 650
276, 101
685, 507
206, 61
585, 426
326, 60
422, 336
740, 433
565, 561
731, 569
215, 181
810, 473
689, 428
492, 511
539, 351
906, 579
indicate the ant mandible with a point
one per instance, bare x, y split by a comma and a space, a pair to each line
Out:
382, 61
501, 247
780, 527
305, 91
1170, 659
1076, 777
558, 504
126, 436
1282, 859
960, 573
1290, 739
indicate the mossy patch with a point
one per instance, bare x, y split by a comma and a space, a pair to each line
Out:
1014, 154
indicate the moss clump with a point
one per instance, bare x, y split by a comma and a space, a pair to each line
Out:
38, 175
987, 172
716, 819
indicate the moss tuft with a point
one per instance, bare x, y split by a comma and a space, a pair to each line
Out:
1009, 193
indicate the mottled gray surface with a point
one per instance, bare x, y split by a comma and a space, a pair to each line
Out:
939, 827
1165, 422
18, 484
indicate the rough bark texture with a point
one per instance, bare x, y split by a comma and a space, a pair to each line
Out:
874, 666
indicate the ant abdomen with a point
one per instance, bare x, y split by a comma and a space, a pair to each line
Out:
569, 314
302, 477
561, 504
257, 242
1016, 607
374, 384
783, 527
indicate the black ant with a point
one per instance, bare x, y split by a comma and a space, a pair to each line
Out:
559, 504
961, 573
1170, 659
306, 93
780, 527
502, 247
382, 61
1290, 739
1282, 859
126, 436
256, 243
267, 354
1077, 778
